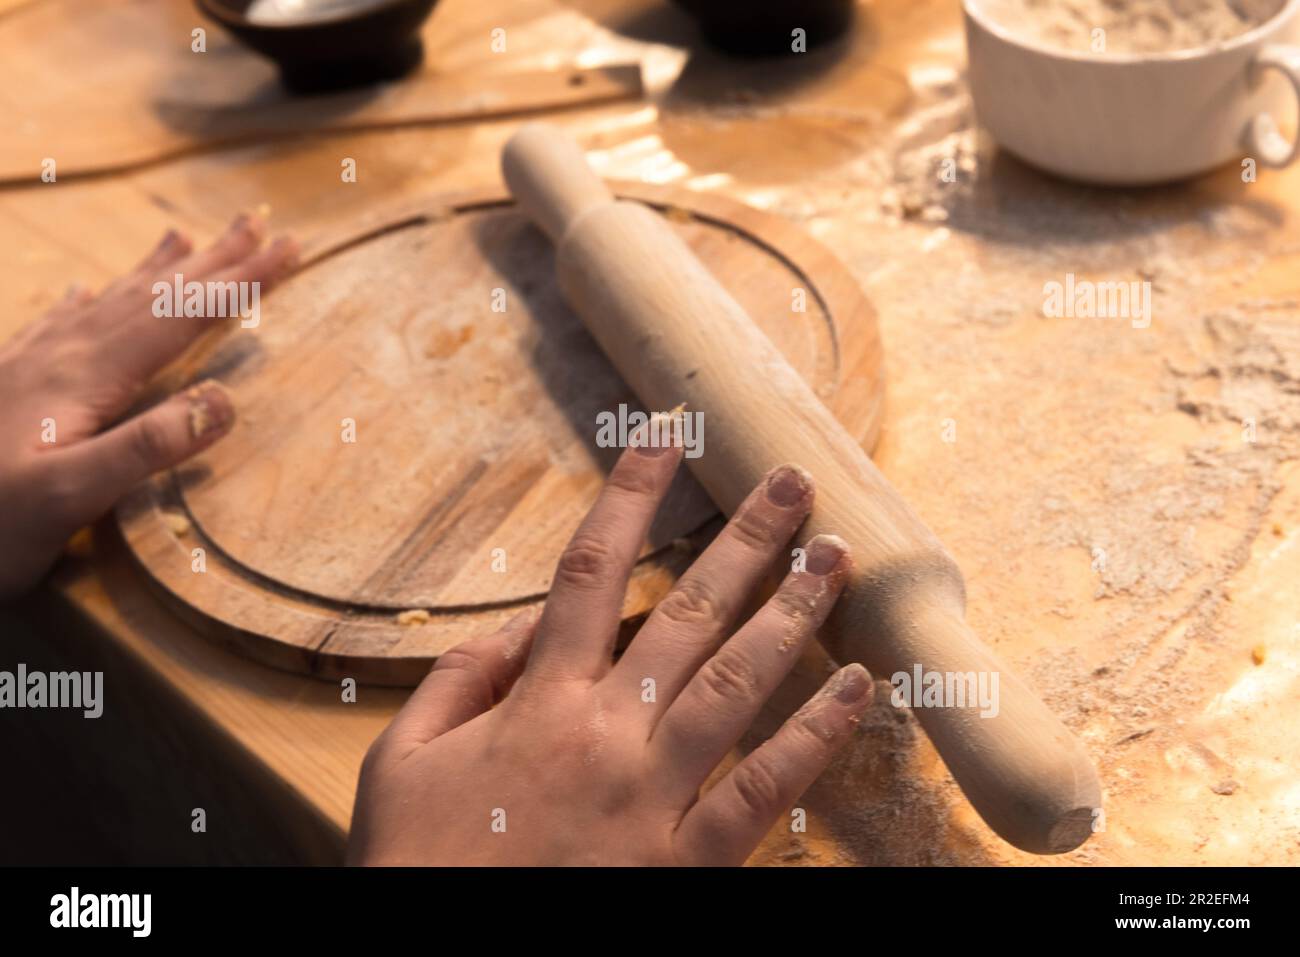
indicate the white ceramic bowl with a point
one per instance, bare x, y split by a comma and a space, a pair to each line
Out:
1133, 119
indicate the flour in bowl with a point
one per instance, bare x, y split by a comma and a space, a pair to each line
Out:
1130, 26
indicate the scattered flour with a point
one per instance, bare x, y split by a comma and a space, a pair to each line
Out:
1131, 26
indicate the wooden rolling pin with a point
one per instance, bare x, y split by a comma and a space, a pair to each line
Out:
676, 335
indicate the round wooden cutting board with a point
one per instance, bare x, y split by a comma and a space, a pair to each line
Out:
437, 339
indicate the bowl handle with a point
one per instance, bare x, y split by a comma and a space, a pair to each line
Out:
1263, 139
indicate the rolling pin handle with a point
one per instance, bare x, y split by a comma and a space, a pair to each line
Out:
549, 177
655, 310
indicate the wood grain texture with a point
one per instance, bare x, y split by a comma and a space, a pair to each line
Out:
676, 333
474, 456
165, 101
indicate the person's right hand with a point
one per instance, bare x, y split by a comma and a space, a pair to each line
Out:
590, 762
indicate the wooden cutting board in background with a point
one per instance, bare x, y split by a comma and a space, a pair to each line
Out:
475, 434
140, 94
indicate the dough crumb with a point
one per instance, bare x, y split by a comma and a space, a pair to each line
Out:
199, 420
413, 617
178, 523
1257, 654
795, 853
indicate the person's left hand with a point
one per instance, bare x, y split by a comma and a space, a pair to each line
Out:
70, 375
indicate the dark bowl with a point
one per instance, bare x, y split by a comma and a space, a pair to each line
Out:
378, 41
765, 27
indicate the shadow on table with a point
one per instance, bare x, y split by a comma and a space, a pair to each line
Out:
1008, 201
759, 118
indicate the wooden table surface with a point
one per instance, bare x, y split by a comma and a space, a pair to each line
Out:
1125, 501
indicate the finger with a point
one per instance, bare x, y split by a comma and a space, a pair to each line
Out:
727, 823
697, 615
144, 342
127, 296
241, 239
725, 696
266, 266
466, 681
580, 623
127, 305
93, 474
171, 249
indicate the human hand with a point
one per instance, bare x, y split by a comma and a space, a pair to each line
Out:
574, 765
68, 377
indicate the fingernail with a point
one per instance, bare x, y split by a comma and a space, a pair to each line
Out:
825, 552
850, 684
246, 223
788, 485
211, 409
